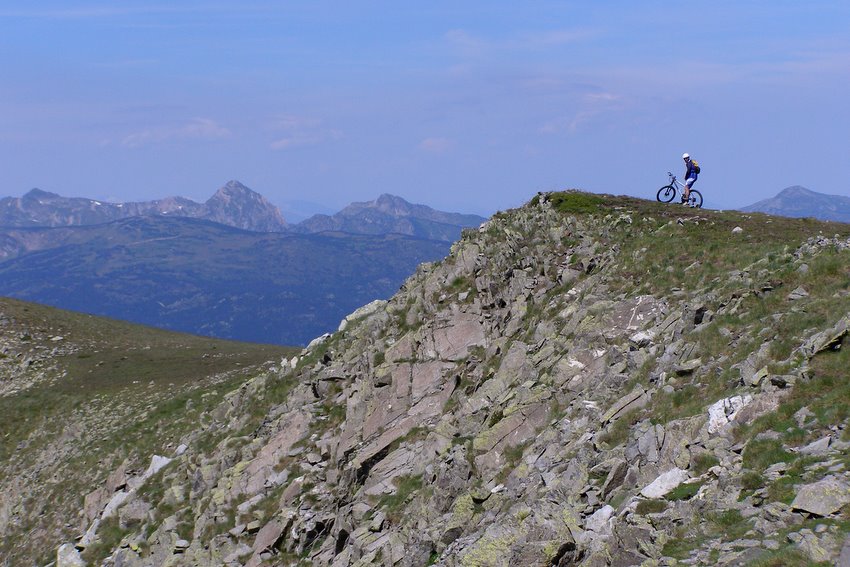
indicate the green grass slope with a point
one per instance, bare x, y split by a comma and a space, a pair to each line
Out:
81, 394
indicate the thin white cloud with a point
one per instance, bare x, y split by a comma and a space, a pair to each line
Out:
300, 131
601, 97
195, 129
469, 44
587, 108
295, 141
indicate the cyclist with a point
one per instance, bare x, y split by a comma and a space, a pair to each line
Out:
691, 173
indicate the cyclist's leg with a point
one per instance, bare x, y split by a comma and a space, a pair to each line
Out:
686, 190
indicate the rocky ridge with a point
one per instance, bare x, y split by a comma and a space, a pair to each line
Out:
583, 381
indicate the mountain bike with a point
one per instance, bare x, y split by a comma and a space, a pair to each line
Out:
668, 192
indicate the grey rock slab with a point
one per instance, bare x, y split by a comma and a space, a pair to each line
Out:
664, 483
819, 447
136, 510
724, 411
68, 556
453, 340
615, 477
650, 442
600, 521
757, 407
816, 548
687, 367
822, 498
642, 339
267, 538
240, 551
798, 293
756, 378
631, 315
398, 463
635, 398
826, 339
362, 312
293, 428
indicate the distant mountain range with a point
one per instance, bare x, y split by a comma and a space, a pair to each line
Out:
390, 214
238, 206
233, 205
229, 268
800, 202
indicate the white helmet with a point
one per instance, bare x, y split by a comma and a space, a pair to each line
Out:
686, 156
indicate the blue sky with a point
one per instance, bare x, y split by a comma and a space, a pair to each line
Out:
465, 106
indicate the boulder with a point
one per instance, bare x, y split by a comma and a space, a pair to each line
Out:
600, 521
687, 367
822, 498
798, 293
819, 447
664, 483
635, 399
68, 556
615, 477
724, 411
819, 549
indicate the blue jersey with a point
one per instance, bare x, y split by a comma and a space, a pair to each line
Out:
692, 172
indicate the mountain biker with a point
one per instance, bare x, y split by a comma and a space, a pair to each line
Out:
690, 177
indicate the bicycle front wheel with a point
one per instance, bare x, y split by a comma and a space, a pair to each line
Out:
666, 194
695, 199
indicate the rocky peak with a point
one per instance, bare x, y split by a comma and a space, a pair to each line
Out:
38, 194
797, 201
393, 205
235, 190
795, 192
237, 205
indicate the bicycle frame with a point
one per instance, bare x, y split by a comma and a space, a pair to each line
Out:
675, 182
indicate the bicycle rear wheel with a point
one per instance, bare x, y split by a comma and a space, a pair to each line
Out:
666, 194
695, 199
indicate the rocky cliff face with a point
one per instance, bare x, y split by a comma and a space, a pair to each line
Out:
583, 381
